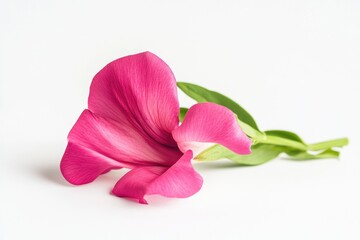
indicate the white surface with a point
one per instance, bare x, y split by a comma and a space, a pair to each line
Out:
293, 64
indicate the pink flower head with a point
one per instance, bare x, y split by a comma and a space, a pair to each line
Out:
132, 121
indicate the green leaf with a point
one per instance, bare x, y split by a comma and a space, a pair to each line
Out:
266, 145
284, 138
285, 134
329, 144
261, 153
254, 134
281, 141
182, 113
201, 94
303, 155
213, 153
293, 141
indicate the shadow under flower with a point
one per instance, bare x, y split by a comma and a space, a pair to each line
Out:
52, 174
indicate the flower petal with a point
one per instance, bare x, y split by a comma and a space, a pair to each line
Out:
139, 89
211, 123
98, 144
179, 180
80, 165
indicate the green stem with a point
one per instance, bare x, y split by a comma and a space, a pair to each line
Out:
328, 144
283, 142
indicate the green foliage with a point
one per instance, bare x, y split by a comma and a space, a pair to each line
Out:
267, 145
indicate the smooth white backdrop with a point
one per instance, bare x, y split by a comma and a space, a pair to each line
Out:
293, 64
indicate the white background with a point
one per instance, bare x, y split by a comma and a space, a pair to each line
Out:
293, 64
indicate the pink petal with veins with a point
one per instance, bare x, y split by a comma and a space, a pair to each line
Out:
98, 144
212, 123
179, 180
80, 165
141, 90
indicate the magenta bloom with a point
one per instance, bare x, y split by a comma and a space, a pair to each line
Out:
132, 121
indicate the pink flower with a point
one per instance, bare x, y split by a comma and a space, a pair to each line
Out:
132, 122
